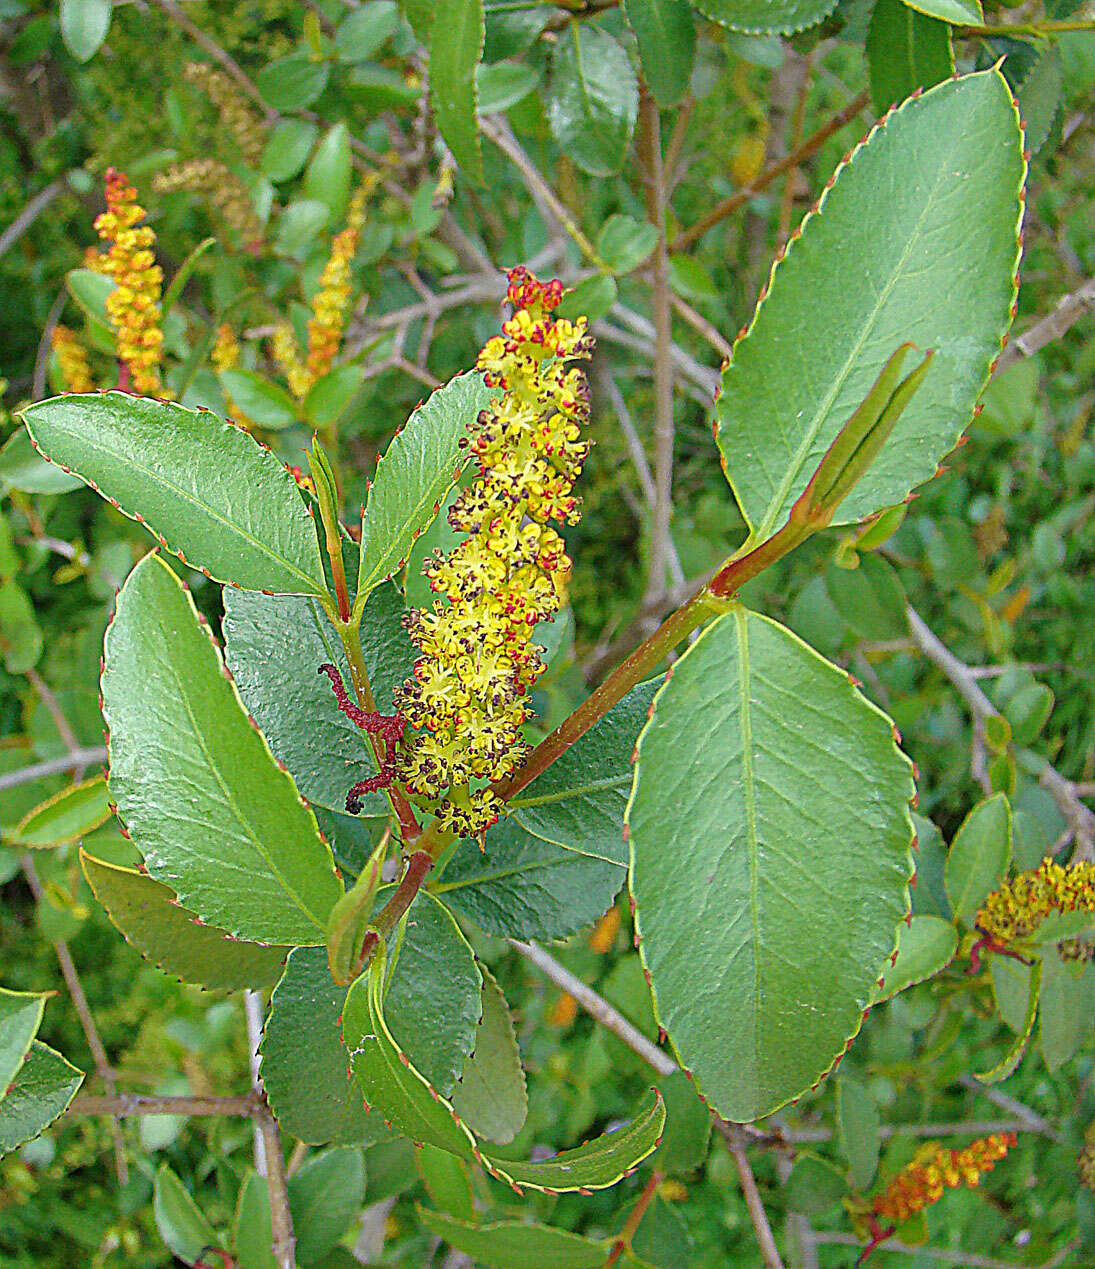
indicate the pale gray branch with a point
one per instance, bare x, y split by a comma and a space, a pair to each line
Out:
79, 758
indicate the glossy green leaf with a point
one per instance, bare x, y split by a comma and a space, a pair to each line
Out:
412, 479
180, 1222
591, 298
299, 225
327, 179
1066, 1010
23, 468
325, 1195
1014, 1054
43, 1087
329, 396
84, 26
518, 1244
490, 1096
906, 50
20, 1018
776, 17
259, 399
870, 598
305, 1067
447, 1180
396, 1088
151, 919
858, 1126
665, 31
624, 242
72, 813
222, 502
935, 267
979, 856
292, 82
362, 33
503, 85
1028, 712
274, 646
957, 12
687, 1134
456, 47
523, 887
254, 1234
213, 815
579, 801
287, 147
925, 947
815, 1186
20, 635
766, 789
593, 99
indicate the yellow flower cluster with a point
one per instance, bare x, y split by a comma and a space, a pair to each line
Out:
235, 113
1019, 907
134, 304
333, 297
468, 698
1086, 1162
72, 361
225, 355
287, 358
226, 191
934, 1168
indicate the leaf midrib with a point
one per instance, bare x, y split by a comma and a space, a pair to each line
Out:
156, 477
578, 790
749, 796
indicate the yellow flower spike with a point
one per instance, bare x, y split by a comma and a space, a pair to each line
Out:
469, 695
134, 305
1020, 906
235, 113
332, 300
72, 361
225, 190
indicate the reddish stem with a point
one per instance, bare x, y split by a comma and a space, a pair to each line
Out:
623, 1242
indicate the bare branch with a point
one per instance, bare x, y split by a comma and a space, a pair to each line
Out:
30, 213
967, 1259
52, 766
269, 1157
122, 1105
734, 1138
1069, 310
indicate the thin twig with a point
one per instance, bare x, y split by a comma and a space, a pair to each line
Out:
1068, 312
53, 766
956, 1128
122, 1105
45, 343
30, 213
1080, 819
967, 1259
732, 1135
53, 708
269, 1157
728, 206
1033, 1121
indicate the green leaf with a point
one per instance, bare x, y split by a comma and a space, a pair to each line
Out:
20, 1017
815, 1186
305, 1067
89, 289
1013, 1056
412, 479
225, 504
766, 789
183, 274
957, 12
1011, 989
274, 646
624, 242
72, 813
43, 1088
775, 17
206, 804
1028, 712
523, 887
1040, 96
666, 34
292, 82
594, 99
591, 298
503, 85
151, 919
254, 1234
331, 393
361, 34
1066, 1009
182, 1226
259, 399
405, 1098
23, 468
20, 635
935, 267
287, 147
925, 947
979, 856
517, 1244
687, 1134
299, 225
327, 179
870, 598
490, 1096
858, 1126
325, 1195
905, 50
84, 26
447, 1180
579, 801
456, 47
